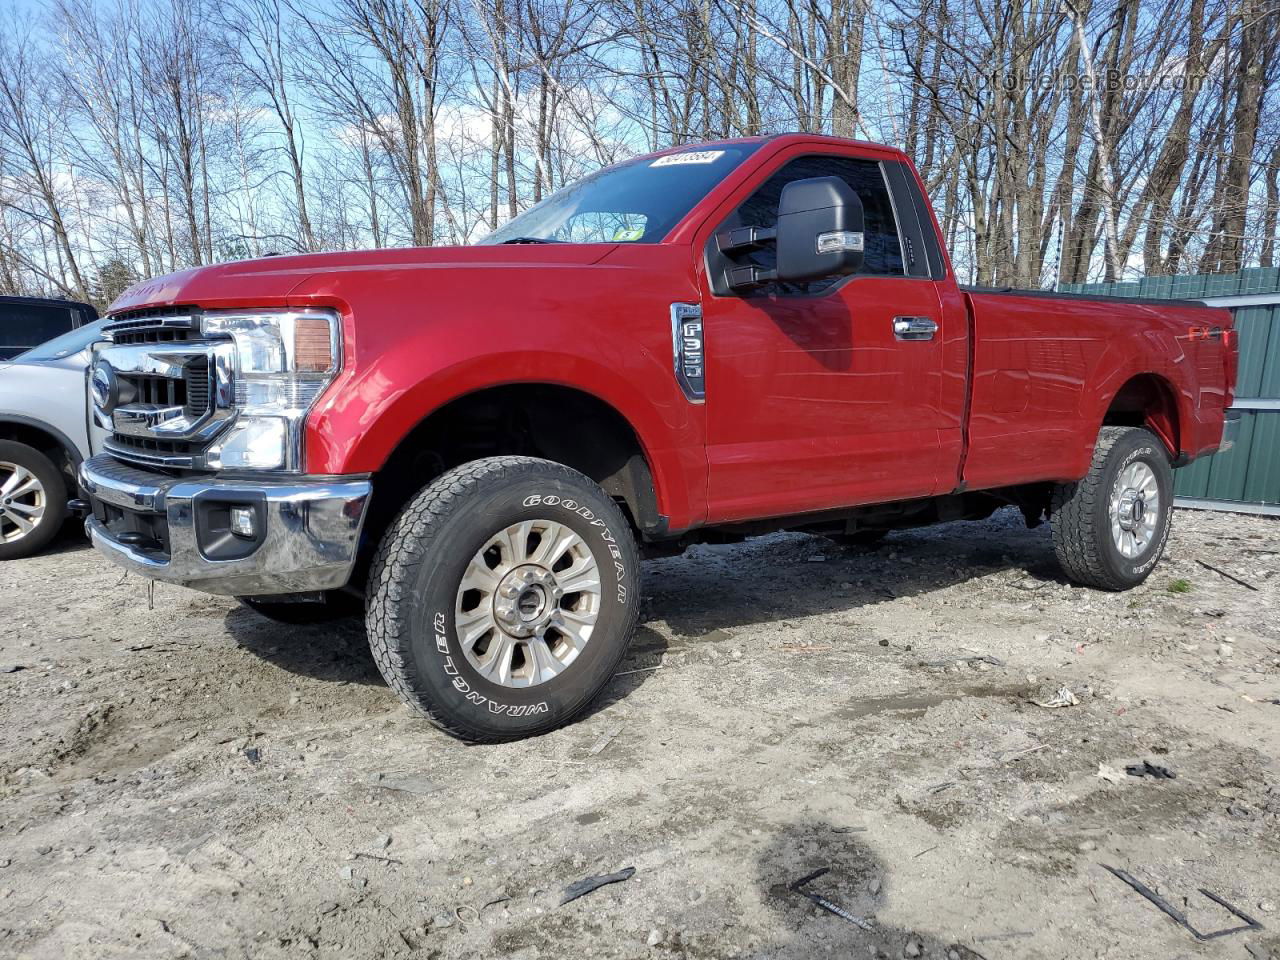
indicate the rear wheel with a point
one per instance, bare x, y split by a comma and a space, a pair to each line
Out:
503, 597
33, 500
1110, 528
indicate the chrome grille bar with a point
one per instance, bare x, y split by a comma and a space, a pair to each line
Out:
173, 392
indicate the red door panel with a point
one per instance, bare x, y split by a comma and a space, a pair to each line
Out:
813, 403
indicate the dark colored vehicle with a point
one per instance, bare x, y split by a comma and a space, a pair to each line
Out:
26, 322
477, 444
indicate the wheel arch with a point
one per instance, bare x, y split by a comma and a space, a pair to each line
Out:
1148, 400
49, 440
564, 424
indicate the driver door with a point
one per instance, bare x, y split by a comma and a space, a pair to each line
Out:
813, 401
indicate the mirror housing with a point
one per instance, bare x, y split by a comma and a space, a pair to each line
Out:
820, 229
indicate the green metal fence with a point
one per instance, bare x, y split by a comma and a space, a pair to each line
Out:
1247, 477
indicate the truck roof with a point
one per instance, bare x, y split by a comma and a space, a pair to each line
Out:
791, 136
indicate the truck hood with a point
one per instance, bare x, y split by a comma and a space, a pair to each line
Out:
270, 280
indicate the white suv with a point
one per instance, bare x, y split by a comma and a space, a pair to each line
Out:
46, 429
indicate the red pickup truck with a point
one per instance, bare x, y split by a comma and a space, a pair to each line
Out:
478, 444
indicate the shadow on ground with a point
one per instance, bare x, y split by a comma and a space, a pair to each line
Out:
336, 652
794, 575
69, 539
709, 589
855, 881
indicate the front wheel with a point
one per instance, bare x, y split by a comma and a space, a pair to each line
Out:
503, 597
1110, 528
33, 500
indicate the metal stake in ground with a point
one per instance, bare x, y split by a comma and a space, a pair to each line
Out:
819, 900
1178, 916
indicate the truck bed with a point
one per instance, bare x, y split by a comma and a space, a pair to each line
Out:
1055, 295
1046, 366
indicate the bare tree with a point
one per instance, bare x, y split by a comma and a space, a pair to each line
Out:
257, 46
32, 131
142, 136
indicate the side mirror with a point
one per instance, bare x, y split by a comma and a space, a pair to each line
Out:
820, 229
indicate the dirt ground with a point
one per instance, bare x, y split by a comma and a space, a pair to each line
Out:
195, 781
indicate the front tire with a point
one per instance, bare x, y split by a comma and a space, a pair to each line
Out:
33, 500
1110, 528
503, 597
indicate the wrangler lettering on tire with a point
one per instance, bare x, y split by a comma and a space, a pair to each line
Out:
1110, 528
503, 597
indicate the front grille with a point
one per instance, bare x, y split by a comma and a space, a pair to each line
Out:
150, 445
155, 325
161, 391
151, 313
195, 386
155, 335
166, 412
176, 455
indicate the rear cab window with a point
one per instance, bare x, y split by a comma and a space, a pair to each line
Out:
24, 325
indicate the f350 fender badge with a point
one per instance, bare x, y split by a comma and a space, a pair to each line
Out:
687, 350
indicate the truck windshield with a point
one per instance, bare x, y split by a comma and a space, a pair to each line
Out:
637, 201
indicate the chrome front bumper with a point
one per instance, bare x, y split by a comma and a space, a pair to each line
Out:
308, 528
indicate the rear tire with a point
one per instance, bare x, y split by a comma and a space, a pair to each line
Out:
1110, 528
33, 500
503, 597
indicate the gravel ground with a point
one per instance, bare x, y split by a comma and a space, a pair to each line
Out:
193, 780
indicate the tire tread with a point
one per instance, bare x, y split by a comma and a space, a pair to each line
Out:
1074, 508
408, 543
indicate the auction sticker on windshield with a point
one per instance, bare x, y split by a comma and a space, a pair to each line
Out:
693, 156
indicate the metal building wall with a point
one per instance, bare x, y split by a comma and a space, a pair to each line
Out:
1247, 477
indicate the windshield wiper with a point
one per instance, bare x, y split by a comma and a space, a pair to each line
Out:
530, 240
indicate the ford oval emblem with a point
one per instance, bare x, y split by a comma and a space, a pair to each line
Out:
103, 385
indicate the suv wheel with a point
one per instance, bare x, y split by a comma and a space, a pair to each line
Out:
33, 500
1110, 528
503, 597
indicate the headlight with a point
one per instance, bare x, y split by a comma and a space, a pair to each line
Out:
283, 361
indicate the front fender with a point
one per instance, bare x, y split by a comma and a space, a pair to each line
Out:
367, 415
449, 322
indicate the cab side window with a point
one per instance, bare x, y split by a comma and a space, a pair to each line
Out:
883, 248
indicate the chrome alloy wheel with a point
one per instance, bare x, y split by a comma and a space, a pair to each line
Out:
22, 502
1134, 509
528, 603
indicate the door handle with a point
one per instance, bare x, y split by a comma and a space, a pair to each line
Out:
914, 328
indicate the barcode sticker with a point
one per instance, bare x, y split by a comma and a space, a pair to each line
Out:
692, 156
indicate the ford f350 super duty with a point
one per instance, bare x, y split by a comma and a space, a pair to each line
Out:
478, 444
